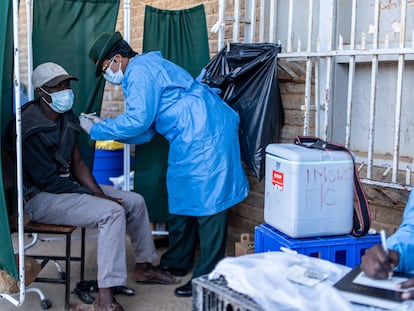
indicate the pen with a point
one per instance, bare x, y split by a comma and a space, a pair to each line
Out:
385, 248
384, 240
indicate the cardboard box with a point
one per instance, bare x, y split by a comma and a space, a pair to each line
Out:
245, 246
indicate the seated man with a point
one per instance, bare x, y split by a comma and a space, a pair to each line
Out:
376, 263
60, 189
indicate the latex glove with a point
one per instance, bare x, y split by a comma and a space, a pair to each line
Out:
86, 124
92, 117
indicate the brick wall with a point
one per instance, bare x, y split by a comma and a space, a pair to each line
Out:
112, 101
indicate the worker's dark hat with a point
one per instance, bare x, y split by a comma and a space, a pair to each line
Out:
101, 47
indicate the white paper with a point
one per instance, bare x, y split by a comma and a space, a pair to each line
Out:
390, 283
305, 276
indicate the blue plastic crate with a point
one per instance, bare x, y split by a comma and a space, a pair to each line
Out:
342, 249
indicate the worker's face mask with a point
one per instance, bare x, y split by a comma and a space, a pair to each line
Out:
114, 77
62, 101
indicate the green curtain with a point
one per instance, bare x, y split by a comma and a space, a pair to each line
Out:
181, 36
7, 260
63, 31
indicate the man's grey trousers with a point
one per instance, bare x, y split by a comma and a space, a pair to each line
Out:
113, 220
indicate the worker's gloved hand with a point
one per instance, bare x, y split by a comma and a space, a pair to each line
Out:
92, 117
86, 124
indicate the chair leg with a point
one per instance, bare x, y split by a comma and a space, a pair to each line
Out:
82, 259
67, 279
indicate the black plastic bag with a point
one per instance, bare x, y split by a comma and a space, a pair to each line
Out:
246, 74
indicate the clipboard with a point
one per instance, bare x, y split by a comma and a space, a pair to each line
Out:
360, 289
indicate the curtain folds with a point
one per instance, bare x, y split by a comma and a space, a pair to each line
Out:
7, 259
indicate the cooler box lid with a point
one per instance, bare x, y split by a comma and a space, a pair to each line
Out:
295, 153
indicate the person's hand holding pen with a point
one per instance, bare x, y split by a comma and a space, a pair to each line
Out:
378, 261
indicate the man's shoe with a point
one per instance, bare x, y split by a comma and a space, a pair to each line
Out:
123, 290
85, 296
184, 291
146, 273
88, 286
172, 271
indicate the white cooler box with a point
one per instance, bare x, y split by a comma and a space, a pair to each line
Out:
308, 192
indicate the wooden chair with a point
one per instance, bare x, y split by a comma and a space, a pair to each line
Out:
63, 277
35, 228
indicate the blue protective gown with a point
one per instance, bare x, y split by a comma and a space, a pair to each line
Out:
205, 175
403, 239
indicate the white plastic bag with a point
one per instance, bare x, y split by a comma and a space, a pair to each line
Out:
119, 181
265, 278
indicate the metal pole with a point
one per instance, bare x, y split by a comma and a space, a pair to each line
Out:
251, 10
308, 84
16, 78
329, 60
373, 93
272, 21
351, 74
236, 21
222, 25
261, 20
317, 97
290, 27
29, 27
127, 148
398, 103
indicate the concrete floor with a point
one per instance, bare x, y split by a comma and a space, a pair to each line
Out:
147, 298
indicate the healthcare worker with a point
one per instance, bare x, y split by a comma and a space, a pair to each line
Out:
205, 176
380, 263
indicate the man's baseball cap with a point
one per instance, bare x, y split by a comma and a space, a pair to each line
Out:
50, 74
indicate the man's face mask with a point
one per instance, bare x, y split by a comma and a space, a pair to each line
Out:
62, 101
113, 77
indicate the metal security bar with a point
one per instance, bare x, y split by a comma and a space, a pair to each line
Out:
352, 47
